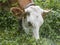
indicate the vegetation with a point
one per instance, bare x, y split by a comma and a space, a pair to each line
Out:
10, 34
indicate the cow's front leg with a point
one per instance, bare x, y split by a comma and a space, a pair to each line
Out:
36, 32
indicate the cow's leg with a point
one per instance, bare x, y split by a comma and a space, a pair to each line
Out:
36, 33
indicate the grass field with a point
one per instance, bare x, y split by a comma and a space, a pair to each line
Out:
49, 31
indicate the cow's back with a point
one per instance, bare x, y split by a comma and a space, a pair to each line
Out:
24, 3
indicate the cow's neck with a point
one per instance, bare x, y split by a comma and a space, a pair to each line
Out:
30, 4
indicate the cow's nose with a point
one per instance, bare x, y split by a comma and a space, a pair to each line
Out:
28, 13
29, 24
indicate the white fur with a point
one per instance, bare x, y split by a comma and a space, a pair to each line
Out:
35, 18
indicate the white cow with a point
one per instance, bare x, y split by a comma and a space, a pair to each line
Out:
35, 20
32, 21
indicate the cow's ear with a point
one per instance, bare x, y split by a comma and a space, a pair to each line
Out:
46, 11
16, 11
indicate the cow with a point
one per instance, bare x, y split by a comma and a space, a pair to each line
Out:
32, 18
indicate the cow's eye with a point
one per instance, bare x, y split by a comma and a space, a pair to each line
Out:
28, 13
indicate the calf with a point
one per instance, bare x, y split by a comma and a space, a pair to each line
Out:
35, 20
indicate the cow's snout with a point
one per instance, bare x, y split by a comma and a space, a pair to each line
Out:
29, 24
